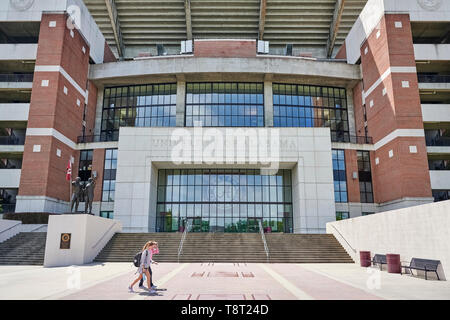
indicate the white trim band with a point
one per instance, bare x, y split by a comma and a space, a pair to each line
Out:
53, 133
65, 74
386, 74
404, 133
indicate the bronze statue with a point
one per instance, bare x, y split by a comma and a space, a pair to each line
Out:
89, 195
77, 193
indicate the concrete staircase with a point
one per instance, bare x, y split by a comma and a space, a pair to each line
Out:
123, 247
25, 248
229, 247
306, 248
223, 247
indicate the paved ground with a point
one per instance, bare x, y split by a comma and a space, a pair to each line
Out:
217, 281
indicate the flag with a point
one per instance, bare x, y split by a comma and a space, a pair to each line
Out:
69, 171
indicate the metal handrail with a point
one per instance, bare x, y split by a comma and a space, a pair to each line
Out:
183, 237
24, 77
106, 232
12, 227
433, 78
354, 250
104, 137
263, 237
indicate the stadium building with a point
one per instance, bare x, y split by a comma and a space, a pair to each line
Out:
293, 113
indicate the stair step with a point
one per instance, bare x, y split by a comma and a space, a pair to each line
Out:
25, 248
229, 247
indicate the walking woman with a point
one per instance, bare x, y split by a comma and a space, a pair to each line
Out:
155, 250
146, 257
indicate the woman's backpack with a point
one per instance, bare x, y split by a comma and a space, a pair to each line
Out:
137, 259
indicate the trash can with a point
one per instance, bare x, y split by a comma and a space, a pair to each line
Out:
393, 263
364, 258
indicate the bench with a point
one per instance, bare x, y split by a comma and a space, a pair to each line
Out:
379, 259
423, 265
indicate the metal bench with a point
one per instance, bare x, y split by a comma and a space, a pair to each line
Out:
423, 265
379, 259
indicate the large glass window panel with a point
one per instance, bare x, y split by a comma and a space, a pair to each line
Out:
218, 194
142, 106
225, 104
311, 106
340, 176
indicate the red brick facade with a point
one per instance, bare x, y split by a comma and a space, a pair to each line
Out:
351, 165
59, 106
225, 48
405, 174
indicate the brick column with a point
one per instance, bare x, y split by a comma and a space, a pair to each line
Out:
55, 116
394, 115
351, 165
98, 162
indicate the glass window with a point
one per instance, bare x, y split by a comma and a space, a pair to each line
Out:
441, 195
342, 215
311, 106
339, 175
107, 214
225, 104
231, 195
365, 177
109, 175
85, 165
152, 105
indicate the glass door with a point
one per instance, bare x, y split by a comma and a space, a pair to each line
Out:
253, 225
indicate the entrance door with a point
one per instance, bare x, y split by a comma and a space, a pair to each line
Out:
253, 225
198, 225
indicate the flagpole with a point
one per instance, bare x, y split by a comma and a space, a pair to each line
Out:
70, 186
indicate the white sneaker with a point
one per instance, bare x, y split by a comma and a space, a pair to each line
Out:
154, 287
151, 291
130, 289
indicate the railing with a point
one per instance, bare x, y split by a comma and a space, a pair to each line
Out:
345, 138
99, 138
17, 164
28, 77
183, 237
425, 78
104, 235
263, 237
439, 164
354, 250
7, 208
11, 140
438, 142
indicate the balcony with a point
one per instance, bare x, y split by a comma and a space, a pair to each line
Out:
432, 52
14, 111
16, 82
26, 77
439, 165
435, 78
438, 142
436, 112
18, 51
12, 140
440, 180
7, 208
13, 163
345, 138
10, 178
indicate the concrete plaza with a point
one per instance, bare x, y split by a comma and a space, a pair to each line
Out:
217, 281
